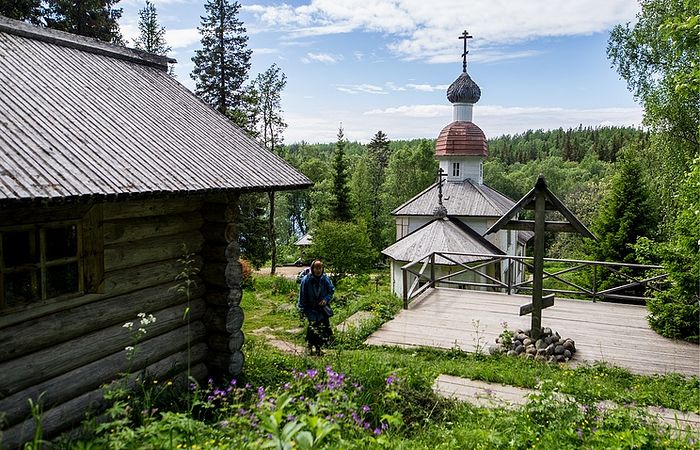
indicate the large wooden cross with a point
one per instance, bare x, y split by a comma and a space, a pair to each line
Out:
465, 36
541, 199
440, 175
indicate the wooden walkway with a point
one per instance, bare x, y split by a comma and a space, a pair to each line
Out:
614, 333
489, 395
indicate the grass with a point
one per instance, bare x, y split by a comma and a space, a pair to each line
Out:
294, 412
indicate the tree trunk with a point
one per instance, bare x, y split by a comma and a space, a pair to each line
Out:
271, 233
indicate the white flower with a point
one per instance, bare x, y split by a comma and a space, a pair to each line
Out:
128, 325
129, 348
141, 315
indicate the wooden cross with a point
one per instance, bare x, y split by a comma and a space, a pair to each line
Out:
440, 174
541, 199
465, 36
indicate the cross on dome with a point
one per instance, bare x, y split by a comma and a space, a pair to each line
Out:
465, 36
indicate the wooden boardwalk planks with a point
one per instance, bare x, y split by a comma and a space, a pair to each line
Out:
614, 333
490, 395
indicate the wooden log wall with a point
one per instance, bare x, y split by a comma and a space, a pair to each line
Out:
222, 276
70, 349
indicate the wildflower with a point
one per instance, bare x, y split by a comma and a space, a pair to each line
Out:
365, 408
128, 325
385, 425
169, 383
312, 373
579, 433
233, 382
129, 349
261, 393
377, 431
286, 386
223, 423
391, 379
290, 417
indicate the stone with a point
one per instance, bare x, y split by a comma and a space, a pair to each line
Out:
559, 350
552, 359
519, 349
560, 358
567, 354
541, 352
540, 358
511, 353
550, 349
530, 350
529, 356
540, 344
521, 337
527, 341
569, 345
495, 350
547, 331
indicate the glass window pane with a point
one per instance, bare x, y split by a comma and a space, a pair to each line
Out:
19, 247
61, 280
19, 289
61, 242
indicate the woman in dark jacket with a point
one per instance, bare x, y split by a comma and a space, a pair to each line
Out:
315, 293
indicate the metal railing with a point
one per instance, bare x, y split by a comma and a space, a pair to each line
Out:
597, 280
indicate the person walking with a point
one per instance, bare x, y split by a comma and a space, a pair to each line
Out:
315, 294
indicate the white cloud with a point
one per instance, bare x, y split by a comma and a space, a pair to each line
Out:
361, 88
321, 57
427, 87
182, 38
264, 51
428, 30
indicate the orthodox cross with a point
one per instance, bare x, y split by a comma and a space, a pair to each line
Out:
465, 36
440, 174
541, 199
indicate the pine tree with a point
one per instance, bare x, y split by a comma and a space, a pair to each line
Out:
379, 147
221, 66
92, 18
341, 204
151, 35
269, 86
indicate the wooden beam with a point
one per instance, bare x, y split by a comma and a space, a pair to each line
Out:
529, 225
547, 301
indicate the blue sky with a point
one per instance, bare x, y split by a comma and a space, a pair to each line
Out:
385, 64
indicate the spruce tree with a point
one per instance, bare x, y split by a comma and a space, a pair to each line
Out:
27, 10
626, 213
221, 66
92, 18
341, 203
151, 35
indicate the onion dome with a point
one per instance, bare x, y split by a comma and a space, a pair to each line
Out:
461, 138
463, 90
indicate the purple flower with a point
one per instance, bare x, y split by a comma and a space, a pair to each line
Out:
290, 417
286, 386
261, 393
580, 433
391, 379
366, 425
223, 423
365, 408
248, 386
385, 425
312, 373
233, 382
377, 431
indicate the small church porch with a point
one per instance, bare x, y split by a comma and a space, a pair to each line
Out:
613, 333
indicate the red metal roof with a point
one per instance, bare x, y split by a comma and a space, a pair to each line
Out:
461, 138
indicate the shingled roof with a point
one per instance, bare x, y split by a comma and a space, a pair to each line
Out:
82, 118
461, 199
441, 235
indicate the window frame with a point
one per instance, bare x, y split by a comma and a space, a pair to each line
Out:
455, 169
43, 263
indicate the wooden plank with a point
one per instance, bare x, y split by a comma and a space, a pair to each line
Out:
150, 207
91, 376
154, 249
34, 368
547, 301
529, 225
93, 251
135, 278
41, 332
133, 229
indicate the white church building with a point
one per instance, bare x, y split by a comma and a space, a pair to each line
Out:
453, 215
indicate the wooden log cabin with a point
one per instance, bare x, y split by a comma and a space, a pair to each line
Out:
108, 166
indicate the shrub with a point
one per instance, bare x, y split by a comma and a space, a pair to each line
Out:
247, 271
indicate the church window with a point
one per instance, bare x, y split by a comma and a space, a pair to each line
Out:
455, 169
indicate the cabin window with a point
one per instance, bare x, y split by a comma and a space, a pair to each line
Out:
39, 263
455, 169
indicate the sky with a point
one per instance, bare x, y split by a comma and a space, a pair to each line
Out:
386, 64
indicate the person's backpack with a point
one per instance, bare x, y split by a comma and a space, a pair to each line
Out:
302, 274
